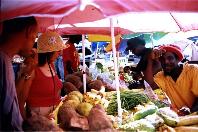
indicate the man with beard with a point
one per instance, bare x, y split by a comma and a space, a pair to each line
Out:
179, 81
17, 37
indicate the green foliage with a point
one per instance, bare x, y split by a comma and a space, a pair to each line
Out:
129, 100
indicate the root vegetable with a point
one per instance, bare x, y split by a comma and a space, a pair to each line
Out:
98, 119
75, 80
97, 84
69, 119
186, 129
69, 87
39, 123
188, 120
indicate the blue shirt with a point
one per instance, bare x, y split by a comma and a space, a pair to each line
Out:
10, 116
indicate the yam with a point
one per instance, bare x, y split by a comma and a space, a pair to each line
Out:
69, 87
75, 80
39, 123
97, 84
98, 119
79, 74
69, 119
188, 120
186, 129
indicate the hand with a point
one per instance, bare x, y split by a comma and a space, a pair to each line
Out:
184, 111
156, 53
30, 63
51, 117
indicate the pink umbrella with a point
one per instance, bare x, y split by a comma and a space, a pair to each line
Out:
13, 8
133, 23
50, 12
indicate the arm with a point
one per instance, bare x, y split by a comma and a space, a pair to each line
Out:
148, 73
24, 81
23, 84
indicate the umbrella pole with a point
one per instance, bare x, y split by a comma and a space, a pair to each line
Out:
151, 37
84, 67
116, 73
96, 52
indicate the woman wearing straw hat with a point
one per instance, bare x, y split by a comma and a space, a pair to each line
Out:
44, 93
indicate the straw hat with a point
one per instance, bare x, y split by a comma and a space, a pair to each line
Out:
49, 42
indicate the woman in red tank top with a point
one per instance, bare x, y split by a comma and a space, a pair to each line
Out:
44, 93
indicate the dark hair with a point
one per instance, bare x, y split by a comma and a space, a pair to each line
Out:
126, 68
16, 25
176, 56
35, 45
44, 58
75, 38
134, 42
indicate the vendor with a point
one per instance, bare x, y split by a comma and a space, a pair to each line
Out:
179, 81
71, 60
44, 92
137, 46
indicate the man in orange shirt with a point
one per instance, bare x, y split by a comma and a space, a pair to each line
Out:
71, 59
178, 81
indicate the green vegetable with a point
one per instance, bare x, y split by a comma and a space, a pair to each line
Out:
169, 120
99, 66
145, 112
159, 103
139, 125
169, 116
155, 120
129, 100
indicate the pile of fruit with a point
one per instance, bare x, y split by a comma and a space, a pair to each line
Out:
97, 110
75, 114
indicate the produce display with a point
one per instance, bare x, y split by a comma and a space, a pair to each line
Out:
39, 123
96, 110
129, 100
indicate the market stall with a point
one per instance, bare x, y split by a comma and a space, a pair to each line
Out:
98, 110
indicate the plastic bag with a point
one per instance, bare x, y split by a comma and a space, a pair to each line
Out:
149, 91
